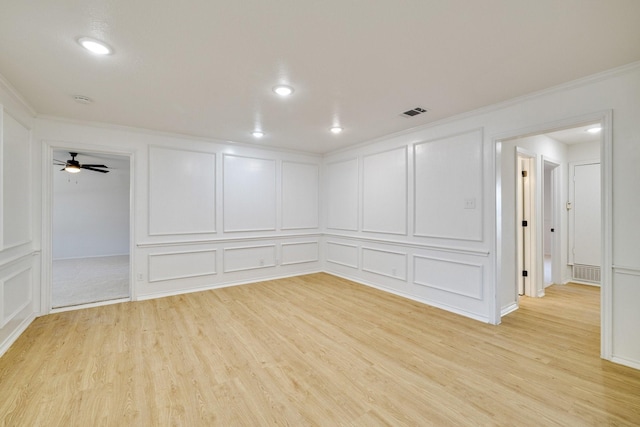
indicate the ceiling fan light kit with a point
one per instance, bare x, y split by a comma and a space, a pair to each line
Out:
74, 166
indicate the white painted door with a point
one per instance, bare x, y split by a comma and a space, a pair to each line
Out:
586, 215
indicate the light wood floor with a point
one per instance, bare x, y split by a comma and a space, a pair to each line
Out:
316, 350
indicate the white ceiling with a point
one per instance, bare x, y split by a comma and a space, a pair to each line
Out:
206, 67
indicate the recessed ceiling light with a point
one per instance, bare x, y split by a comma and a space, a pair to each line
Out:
283, 90
594, 129
257, 134
95, 46
336, 129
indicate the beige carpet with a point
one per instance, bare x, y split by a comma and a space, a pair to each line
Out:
86, 280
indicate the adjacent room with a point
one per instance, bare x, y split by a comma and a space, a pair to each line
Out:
319, 213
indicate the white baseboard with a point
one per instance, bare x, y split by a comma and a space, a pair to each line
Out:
508, 309
635, 364
6, 344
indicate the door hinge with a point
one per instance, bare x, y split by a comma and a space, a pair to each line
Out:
524, 174
553, 230
525, 273
525, 223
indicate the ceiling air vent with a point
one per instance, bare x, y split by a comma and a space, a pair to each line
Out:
414, 112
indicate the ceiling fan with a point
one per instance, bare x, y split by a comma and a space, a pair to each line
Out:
74, 166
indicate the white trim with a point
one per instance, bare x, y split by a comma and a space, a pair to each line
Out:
224, 259
225, 240
186, 276
4, 320
16, 96
403, 278
314, 242
15, 334
509, 309
480, 267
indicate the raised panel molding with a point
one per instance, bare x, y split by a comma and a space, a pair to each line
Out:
181, 265
299, 252
300, 190
448, 187
249, 258
16, 294
342, 254
385, 194
249, 193
15, 180
182, 192
342, 195
461, 278
385, 263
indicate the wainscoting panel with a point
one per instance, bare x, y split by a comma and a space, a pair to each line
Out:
300, 190
249, 258
298, 253
342, 254
249, 194
16, 174
180, 265
342, 195
385, 192
456, 277
448, 187
385, 263
626, 316
182, 192
16, 294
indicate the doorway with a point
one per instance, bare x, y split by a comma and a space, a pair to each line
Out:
90, 228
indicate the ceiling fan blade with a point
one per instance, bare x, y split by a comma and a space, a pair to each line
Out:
57, 162
93, 169
95, 166
61, 169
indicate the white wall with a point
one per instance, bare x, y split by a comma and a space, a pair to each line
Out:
454, 268
91, 209
207, 214
19, 257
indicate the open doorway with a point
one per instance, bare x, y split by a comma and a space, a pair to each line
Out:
90, 228
539, 233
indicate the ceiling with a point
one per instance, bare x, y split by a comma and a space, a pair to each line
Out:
207, 67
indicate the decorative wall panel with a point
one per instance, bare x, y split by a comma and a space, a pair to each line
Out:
448, 275
340, 253
385, 192
182, 192
249, 258
299, 195
249, 194
342, 195
16, 295
16, 182
180, 265
298, 253
385, 263
448, 187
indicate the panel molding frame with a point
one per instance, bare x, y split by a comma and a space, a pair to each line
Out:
479, 297
319, 213
405, 149
215, 191
159, 254
275, 201
482, 172
4, 320
316, 242
225, 250
358, 190
404, 254
343, 263
226, 240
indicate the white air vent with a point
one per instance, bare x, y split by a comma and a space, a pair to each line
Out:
414, 112
586, 273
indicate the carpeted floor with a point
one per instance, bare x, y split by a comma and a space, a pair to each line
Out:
86, 280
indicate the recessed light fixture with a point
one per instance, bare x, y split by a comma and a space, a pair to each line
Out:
257, 134
95, 46
336, 129
283, 90
594, 129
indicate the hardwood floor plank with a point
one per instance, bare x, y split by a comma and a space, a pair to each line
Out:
316, 350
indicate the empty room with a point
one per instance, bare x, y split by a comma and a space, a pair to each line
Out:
320, 213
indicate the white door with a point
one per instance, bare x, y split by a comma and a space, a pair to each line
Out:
586, 215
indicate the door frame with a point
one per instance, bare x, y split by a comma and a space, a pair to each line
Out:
556, 203
48, 147
605, 117
528, 260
